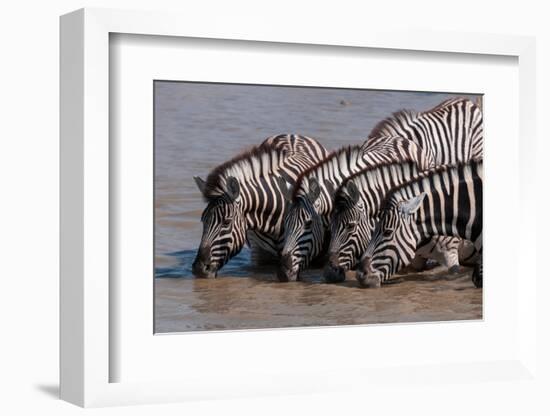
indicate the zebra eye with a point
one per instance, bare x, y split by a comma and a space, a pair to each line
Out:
351, 225
307, 224
387, 233
226, 222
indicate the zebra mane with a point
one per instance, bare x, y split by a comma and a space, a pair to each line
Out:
389, 199
335, 154
406, 116
216, 180
341, 190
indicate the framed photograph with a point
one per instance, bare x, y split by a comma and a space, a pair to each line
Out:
203, 231
291, 211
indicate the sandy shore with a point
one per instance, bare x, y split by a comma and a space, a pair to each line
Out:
245, 303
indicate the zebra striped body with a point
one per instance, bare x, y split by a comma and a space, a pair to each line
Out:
446, 201
356, 206
307, 220
244, 197
450, 133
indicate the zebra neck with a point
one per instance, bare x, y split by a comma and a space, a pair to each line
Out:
375, 184
265, 221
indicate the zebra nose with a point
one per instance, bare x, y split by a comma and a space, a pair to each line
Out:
367, 276
199, 268
203, 266
334, 273
204, 270
286, 272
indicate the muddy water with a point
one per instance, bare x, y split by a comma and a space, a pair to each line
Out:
237, 303
198, 126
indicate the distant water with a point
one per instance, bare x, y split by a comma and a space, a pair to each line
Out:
199, 125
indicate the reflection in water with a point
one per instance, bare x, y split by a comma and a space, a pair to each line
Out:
243, 264
240, 265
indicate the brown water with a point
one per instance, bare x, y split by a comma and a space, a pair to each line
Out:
236, 303
198, 126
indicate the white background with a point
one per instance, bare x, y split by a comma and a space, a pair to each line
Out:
29, 207
140, 60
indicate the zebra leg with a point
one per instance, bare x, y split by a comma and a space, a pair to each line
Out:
450, 257
444, 250
477, 275
468, 255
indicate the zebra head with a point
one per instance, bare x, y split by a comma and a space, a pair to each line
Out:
224, 229
350, 230
303, 232
393, 242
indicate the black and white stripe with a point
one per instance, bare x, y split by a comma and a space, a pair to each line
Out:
356, 206
447, 201
307, 220
451, 132
246, 199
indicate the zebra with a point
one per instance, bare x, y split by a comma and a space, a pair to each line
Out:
245, 201
356, 206
446, 201
307, 219
451, 132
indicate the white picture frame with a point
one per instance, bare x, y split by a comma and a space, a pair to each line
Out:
87, 302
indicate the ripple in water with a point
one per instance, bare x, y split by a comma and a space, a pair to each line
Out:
239, 266
242, 265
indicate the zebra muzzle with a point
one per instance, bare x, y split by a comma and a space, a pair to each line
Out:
204, 270
334, 273
203, 266
367, 276
287, 272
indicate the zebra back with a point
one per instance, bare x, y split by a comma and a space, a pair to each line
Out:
339, 165
451, 132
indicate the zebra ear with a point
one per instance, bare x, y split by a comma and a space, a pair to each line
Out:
201, 184
411, 206
285, 188
352, 192
314, 190
233, 187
